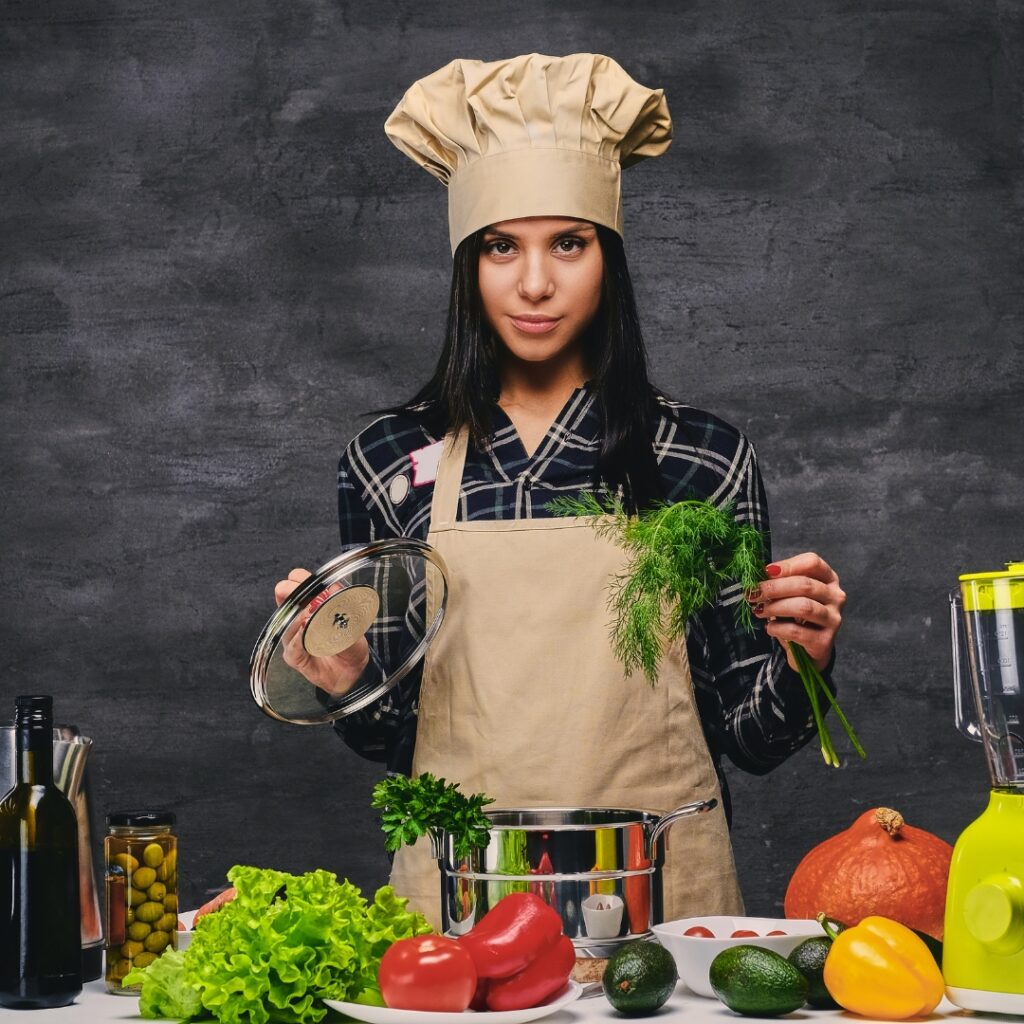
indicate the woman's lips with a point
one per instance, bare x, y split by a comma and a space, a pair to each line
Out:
535, 325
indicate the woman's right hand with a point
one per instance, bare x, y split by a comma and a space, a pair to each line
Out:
336, 674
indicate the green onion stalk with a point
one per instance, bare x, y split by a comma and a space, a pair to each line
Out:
681, 555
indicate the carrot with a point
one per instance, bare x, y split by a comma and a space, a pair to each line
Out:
216, 903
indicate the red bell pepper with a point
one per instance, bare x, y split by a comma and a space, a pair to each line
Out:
511, 934
479, 1000
539, 980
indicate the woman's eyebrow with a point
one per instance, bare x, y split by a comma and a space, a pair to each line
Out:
570, 230
574, 229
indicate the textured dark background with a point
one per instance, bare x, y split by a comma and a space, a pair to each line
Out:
213, 262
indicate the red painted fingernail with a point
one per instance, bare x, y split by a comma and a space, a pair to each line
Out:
759, 609
773, 570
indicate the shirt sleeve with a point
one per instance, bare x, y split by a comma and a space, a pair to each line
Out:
384, 730
753, 705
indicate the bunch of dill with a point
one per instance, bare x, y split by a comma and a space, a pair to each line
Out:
681, 556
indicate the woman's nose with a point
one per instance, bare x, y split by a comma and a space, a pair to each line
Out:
536, 281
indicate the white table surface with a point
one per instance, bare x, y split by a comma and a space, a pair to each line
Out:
97, 1006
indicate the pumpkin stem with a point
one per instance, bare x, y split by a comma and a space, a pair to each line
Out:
890, 820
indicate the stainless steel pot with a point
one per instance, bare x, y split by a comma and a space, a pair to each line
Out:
599, 867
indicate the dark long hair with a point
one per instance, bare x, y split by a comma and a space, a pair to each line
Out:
465, 384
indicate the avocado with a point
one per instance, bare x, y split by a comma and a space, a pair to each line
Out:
639, 978
757, 982
809, 959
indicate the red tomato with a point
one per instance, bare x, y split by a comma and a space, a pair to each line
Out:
700, 932
743, 933
427, 972
776, 932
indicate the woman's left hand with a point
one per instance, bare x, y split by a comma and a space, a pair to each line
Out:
803, 602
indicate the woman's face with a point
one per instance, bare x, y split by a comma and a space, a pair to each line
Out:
540, 283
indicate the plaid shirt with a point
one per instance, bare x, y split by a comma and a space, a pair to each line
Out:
752, 706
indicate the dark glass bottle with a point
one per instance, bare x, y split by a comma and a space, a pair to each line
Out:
40, 927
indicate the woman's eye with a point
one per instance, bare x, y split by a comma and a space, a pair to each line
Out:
569, 244
499, 247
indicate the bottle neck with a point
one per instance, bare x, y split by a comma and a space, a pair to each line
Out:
35, 753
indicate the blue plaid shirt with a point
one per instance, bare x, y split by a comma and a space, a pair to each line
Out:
753, 707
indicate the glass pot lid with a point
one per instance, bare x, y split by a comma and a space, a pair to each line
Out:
350, 632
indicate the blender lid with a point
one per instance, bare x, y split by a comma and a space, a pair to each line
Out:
994, 591
1014, 568
382, 603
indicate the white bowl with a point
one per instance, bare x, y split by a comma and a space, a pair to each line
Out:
184, 939
693, 954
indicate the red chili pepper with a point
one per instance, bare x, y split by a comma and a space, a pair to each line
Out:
536, 982
116, 906
511, 934
637, 888
545, 890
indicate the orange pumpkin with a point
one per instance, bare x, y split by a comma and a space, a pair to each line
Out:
879, 865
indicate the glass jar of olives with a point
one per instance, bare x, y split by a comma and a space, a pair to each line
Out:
140, 854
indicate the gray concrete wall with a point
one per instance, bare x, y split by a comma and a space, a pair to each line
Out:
213, 262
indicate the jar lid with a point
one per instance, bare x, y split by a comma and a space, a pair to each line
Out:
350, 632
140, 819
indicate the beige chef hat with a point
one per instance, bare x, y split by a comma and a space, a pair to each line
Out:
531, 136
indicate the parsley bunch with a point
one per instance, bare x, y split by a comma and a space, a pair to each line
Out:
412, 807
681, 556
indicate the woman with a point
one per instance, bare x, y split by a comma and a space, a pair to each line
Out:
541, 391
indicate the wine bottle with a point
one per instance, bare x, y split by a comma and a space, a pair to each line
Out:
40, 926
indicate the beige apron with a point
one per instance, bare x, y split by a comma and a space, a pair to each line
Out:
523, 698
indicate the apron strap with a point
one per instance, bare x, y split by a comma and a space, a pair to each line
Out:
444, 505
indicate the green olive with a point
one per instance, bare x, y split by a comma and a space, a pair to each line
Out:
129, 915
167, 923
149, 912
120, 968
144, 959
171, 880
138, 930
166, 869
156, 942
143, 878
125, 861
130, 949
153, 855
157, 891
171, 902
136, 896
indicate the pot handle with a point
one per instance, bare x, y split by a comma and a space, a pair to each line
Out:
668, 820
436, 836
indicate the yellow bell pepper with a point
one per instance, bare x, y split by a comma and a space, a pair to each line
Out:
880, 968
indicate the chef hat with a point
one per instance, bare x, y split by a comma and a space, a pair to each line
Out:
530, 136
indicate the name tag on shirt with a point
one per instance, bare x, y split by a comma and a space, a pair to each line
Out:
425, 462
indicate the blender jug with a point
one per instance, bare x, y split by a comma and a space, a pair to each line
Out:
987, 619
983, 948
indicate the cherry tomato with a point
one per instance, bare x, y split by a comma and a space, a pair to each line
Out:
743, 933
777, 931
700, 932
427, 972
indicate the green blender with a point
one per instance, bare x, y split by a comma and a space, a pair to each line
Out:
983, 945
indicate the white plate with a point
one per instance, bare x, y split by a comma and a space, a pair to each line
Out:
385, 1015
